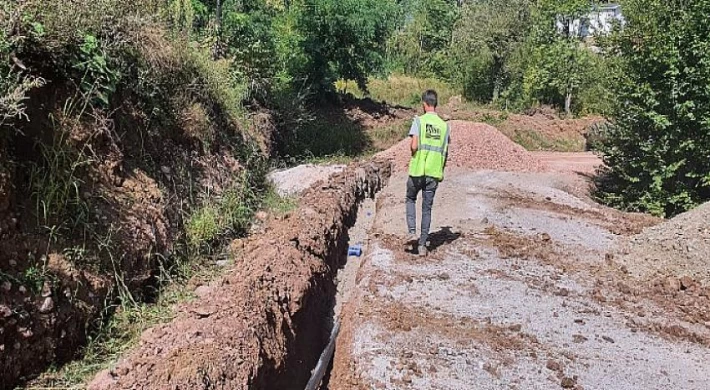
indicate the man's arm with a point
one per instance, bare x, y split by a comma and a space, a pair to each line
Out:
414, 144
414, 135
448, 143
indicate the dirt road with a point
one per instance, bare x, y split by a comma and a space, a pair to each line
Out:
524, 288
521, 291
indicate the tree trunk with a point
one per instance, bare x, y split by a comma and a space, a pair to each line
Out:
217, 49
568, 102
497, 78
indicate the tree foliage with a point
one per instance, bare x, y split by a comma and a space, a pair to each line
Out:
658, 153
344, 39
515, 54
486, 37
421, 46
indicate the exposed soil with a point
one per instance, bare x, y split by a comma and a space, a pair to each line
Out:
371, 114
539, 128
264, 324
679, 247
121, 189
547, 129
581, 163
521, 289
528, 284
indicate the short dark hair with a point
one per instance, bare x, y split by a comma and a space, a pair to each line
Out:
430, 98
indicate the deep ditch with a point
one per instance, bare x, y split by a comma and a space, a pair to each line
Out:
264, 324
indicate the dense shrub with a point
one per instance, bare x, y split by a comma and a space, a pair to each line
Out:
658, 151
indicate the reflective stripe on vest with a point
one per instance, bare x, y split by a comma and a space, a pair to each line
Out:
437, 149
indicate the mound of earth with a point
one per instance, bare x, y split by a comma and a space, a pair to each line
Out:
475, 146
263, 324
678, 247
295, 180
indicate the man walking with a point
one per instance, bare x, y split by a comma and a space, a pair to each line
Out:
430, 137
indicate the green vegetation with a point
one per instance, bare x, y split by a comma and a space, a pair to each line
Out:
399, 90
122, 325
222, 216
533, 140
508, 53
93, 93
657, 152
278, 204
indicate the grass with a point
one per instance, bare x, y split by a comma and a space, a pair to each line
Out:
277, 204
331, 137
222, 216
534, 141
400, 90
122, 331
386, 136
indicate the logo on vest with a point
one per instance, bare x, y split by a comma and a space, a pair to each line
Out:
433, 132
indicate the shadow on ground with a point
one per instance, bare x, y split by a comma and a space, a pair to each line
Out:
341, 127
443, 236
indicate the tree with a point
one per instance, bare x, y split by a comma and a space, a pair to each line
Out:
344, 39
422, 44
491, 29
658, 152
559, 46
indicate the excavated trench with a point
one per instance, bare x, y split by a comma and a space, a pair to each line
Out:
265, 324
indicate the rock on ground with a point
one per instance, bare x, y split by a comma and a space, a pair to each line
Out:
293, 181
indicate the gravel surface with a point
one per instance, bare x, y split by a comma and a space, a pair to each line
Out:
518, 292
678, 247
475, 146
295, 180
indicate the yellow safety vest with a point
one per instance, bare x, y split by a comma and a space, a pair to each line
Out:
433, 145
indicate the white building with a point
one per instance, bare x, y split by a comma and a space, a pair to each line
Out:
598, 21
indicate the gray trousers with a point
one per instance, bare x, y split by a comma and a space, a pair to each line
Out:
427, 186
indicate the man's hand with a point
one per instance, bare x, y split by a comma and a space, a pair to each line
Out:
414, 144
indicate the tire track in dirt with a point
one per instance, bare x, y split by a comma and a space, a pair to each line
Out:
515, 303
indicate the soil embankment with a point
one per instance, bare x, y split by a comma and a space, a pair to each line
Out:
91, 209
264, 324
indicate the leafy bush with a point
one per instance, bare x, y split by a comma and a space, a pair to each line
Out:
344, 39
657, 152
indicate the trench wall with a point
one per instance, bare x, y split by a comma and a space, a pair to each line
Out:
264, 324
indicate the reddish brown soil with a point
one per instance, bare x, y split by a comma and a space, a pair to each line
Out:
543, 123
264, 324
577, 162
135, 185
550, 127
371, 115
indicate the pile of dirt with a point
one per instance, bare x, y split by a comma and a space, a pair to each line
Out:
293, 181
475, 146
264, 324
547, 131
678, 247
